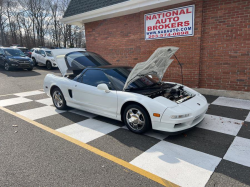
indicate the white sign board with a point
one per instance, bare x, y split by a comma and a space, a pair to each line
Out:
177, 22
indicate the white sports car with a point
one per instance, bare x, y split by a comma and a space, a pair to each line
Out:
123, 93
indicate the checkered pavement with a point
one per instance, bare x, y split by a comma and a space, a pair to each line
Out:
215, 153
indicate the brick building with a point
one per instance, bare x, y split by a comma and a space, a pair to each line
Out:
217, 56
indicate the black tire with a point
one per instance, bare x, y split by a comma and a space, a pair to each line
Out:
7, 66
49, 65
63, 105
144, 117
34, 60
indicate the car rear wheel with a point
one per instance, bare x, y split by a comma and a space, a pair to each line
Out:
136, 118
48, 65
6, 66
58, 99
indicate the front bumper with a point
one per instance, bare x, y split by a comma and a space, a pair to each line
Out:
54, 64
177, 126
21, 65
197, 114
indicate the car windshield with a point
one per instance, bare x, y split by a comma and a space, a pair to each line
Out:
118, 77
48, 53
24, 49
13, 52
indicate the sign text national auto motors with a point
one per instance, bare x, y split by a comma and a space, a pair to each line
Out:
178, 22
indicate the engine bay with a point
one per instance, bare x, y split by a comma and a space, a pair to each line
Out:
176, 94
172, 92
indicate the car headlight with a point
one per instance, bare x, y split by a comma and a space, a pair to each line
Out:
180, 116
13, 60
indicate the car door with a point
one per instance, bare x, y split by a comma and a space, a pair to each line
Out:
36, 55
86, 94
42, 57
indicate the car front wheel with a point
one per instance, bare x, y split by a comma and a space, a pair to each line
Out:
49, 65
136, 118
58, 99
6, 66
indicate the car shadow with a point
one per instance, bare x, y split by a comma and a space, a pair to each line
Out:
26, 73
19, 73
54, 70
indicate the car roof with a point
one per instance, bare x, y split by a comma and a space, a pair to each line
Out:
8, 48
21, 47
47, 49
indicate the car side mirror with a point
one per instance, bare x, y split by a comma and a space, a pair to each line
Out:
43, 55
103, 87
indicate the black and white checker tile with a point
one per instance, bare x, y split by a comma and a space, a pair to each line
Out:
215, 153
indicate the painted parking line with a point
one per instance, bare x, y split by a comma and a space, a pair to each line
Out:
94, 150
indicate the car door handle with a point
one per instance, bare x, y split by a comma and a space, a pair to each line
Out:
75, 85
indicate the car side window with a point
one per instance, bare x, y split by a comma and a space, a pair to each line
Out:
95, 77
42, 52
37, 51
1, 52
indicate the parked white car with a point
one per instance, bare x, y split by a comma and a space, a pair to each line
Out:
44, 57
124, 93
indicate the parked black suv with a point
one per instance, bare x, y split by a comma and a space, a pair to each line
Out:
14, 58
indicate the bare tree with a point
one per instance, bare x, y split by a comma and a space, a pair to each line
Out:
35, 23
3, 20
54, 5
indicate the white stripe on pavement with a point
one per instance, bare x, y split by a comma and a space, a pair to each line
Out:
24, 94
180, 165
239, 151
231, 102
13, 101
87, 130
47, 101
221, 124
40, 112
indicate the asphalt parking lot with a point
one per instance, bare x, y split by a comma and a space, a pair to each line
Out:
41, 146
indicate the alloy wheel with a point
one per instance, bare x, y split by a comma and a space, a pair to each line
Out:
58, 99
135, 119
49, 66
6, 66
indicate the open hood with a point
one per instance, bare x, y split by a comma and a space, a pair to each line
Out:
59, 56
157, 64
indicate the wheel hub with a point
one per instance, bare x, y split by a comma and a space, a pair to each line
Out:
6, 66
58, 99
135, 119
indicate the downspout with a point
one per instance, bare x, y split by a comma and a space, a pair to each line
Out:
200, 62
